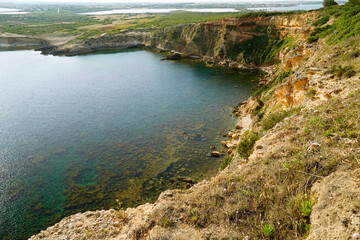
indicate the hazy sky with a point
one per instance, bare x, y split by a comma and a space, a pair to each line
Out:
144, 1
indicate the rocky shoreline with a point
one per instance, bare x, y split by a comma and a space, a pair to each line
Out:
292, 165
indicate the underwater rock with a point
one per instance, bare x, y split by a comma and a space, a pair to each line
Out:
185, 179
174, 56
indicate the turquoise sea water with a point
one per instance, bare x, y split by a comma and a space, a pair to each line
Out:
79, 133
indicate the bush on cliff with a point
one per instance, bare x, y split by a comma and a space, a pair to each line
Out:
347, 24
260, 49
328, 3
354, 2
246, 145
275, 81
321, 21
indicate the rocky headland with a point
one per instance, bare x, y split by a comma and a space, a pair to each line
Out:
293, 165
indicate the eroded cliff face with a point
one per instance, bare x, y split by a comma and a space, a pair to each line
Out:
215, 42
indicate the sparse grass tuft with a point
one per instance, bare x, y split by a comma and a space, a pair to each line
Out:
226, 162
275, 81
339, 71
274, 118
305, 207
311, 93
165, 222
268, 230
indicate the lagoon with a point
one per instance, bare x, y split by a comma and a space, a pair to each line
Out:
87, 132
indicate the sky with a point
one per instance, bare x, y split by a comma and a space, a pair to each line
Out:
155, 1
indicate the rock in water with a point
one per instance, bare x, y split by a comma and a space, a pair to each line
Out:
174, 56
185, 179
215, 154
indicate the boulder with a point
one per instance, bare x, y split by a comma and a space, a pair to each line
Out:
215, 154
174, 56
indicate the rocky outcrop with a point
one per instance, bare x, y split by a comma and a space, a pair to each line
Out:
101, 43
335, 214
214, 41
21, 42
293, 92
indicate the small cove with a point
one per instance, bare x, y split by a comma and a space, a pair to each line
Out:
86, 132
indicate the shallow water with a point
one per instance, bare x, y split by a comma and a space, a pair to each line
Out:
79, 133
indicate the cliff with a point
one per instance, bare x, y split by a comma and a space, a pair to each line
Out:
293, 166
217, 42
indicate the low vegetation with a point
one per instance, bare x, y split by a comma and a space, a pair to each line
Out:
271, 196
49, 22
268, 230
226, 162
267, 14
261, 48
274, 118
339, 71
45, 22
246, 145
275, 81
321, 21
346, 25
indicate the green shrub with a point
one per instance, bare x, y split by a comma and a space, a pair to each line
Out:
354, 2
260, 116
328, 3
320, 32
226, 162
268, 230
258, 107
305, 207
321, 21
312, 39
277, 117
340, 71
246, 145
248, 24
275, 81
347, 24
230, 28
265, 14
261, 48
